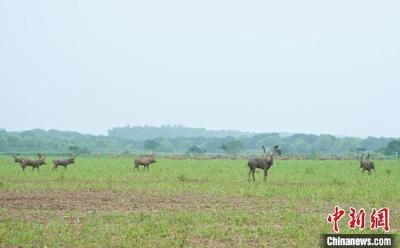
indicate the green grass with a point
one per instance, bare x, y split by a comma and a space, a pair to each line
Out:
226, 211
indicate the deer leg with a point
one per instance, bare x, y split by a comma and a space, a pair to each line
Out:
249, 175
65, 168
252, 173
265, 174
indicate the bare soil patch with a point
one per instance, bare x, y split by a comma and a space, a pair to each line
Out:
108, 200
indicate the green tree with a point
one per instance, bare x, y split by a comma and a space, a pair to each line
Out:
78, 150
301, 147
3, 143
166, 146
151, 145
14, 142
324, 143
195, 150
232, 147
393, 148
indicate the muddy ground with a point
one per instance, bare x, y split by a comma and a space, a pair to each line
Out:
108, 200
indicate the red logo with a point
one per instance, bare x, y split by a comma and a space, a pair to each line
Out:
335, 217
378, 218
357, 218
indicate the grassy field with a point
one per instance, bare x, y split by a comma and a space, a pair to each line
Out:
187, 203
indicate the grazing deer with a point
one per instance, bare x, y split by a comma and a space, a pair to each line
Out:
64, 162
261, 163
367, 165
34, 163
145, 161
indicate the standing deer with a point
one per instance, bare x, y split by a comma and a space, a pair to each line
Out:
367, 165
145, 161
34, 163
64, 162
261, 163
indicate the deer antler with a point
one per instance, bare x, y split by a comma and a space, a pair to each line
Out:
263, 147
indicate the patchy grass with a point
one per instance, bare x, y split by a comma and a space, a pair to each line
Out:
186, 203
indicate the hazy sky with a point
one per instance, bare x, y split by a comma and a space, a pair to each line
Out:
296, 66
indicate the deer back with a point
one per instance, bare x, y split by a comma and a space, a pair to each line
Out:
66, 161
144, 161
33, 162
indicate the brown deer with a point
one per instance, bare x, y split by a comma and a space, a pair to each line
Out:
64, 162
34, 163
261, 163
145, 161
367, 165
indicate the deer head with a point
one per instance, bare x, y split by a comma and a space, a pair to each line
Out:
42, 157
153, 157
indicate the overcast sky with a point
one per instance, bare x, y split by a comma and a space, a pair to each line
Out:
264, 66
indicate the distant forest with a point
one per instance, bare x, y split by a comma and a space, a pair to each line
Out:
170, 131
180, 140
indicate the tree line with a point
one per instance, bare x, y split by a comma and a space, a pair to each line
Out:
55, 141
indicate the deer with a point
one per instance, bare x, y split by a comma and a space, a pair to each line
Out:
34, 163
64, 162
145, 161
367, 165
262, 163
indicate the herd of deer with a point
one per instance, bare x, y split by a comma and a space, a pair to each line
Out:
253, 164
36, 163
